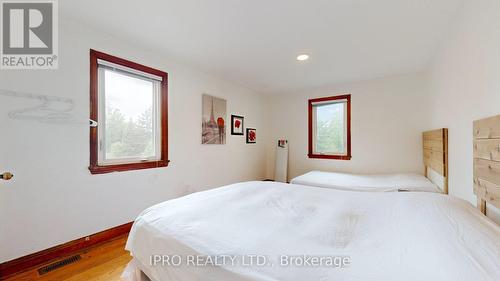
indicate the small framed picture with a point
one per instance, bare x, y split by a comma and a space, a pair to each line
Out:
251, 135
237, 125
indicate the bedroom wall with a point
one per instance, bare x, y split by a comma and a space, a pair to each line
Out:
388, 118
465, 86
54, 199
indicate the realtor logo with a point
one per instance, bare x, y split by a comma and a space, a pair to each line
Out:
29, 34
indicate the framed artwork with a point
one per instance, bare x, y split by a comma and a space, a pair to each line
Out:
251, 135
213, 120
237, 125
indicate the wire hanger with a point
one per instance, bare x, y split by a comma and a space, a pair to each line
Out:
51, 109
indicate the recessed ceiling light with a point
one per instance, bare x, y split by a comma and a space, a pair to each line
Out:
302, 57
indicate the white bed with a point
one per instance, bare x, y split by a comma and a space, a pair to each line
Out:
386, 235
435, 156
359, 182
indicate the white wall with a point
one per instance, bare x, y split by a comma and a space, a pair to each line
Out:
388, 118
465, 86
54, 199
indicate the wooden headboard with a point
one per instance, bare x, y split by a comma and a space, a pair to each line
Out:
487, 162
436, 157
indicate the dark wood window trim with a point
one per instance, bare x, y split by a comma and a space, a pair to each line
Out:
325, 156
94, 167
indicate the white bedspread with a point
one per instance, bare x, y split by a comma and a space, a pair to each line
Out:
388, 236
358, 182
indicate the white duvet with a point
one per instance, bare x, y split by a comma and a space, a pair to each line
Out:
387, 236
358, 182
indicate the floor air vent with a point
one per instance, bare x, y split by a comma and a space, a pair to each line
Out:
58, 264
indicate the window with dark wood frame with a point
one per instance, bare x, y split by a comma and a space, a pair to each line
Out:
341, 106
159, 114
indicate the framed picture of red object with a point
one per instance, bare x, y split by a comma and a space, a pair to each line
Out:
213, 120
251, 135
237, 125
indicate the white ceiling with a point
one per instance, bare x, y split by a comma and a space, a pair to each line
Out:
254, 42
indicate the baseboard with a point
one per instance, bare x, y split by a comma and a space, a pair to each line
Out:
34, 260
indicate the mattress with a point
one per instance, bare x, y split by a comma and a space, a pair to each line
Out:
384, 235
358, 182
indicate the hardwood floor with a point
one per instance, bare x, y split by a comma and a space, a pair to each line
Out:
103, 262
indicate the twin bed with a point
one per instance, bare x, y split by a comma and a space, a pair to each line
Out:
357, 182
435, 152
275, 231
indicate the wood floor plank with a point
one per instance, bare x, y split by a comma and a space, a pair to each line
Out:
103, 262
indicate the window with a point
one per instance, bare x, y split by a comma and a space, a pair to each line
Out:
330, 127
129, 103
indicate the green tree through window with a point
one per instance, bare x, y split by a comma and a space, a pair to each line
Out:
129, 138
